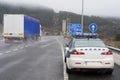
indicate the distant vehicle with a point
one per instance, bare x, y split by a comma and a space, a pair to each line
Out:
19, 27
88, 54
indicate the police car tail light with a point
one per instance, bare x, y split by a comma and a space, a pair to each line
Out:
107, 63
107, 53
77, 53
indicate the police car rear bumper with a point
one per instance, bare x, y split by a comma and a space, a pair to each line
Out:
90, 63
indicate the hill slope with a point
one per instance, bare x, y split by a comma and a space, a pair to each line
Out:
52, 21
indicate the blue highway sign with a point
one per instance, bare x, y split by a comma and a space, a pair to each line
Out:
75, 29
93, 27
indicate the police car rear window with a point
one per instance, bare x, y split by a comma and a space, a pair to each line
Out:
89, 43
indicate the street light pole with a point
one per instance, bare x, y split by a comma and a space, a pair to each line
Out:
67, 24
82, 15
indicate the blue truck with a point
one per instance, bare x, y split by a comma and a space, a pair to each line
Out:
19, 27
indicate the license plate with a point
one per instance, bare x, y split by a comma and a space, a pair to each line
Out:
93, 62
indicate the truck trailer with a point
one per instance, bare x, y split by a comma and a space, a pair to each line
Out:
19, 27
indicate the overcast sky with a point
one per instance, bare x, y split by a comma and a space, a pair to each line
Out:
91, 7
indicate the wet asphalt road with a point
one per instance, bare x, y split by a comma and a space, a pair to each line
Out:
41, 60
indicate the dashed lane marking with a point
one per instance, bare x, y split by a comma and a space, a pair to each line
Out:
47, 45
21, 47
8, 52
1, 53
10, 65
15, 49
29, 45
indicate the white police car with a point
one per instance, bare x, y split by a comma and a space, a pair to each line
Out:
88, 54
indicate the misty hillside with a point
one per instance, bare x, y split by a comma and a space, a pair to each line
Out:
52, 21
43, 14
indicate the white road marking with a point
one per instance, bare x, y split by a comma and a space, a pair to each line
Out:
8, 51
15, 49
47, 45
21, 47
64, 66
44, 40
1, 53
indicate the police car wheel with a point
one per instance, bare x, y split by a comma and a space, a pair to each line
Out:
68, 70
65, 59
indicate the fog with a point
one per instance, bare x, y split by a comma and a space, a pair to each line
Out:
109, 8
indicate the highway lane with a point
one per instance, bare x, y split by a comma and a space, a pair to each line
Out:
39, 60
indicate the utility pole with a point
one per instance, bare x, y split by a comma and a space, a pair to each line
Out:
67, 23
82, 15
64, 27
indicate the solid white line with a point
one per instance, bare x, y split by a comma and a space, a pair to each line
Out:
64, 66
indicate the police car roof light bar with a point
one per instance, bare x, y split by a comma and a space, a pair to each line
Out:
90, 35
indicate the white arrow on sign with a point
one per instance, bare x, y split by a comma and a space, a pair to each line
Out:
93, 27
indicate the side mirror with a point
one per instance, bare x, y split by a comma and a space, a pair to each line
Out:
66, 45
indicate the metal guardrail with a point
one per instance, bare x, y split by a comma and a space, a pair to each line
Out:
114, 49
